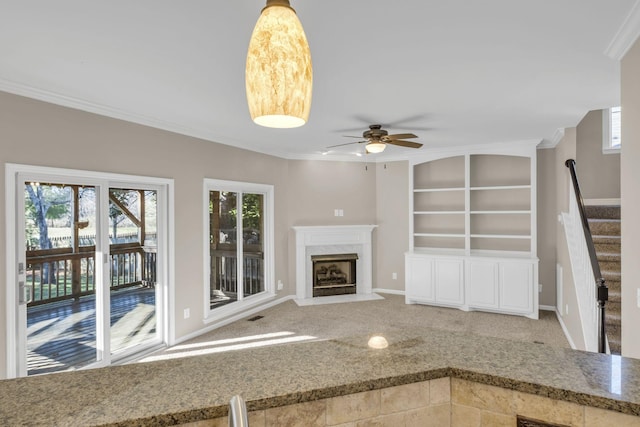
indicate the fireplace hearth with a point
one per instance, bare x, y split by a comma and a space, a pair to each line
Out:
334, 274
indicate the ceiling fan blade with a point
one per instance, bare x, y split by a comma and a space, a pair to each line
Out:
400, 136
402, 143
351, 136
348, 143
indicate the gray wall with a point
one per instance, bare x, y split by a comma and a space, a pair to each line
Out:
392, 212
630, 196
547, 220
598, 173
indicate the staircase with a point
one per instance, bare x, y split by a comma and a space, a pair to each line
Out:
604, 222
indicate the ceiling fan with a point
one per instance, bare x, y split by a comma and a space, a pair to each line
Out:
378, 138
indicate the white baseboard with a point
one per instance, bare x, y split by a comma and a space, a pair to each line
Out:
233, 318
388, 291
337, 299
547, 307
566, 331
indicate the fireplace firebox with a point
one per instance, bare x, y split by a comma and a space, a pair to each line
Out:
334, 274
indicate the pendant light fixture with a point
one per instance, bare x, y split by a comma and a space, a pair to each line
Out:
278, 74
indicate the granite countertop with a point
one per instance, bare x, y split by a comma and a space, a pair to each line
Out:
169, 392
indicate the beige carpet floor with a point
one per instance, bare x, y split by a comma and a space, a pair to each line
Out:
287, 322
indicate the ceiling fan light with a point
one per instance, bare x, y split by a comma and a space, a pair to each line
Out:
279, 74
375, 147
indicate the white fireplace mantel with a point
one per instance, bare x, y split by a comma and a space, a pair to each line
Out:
331, 239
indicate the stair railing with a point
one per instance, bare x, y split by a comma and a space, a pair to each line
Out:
602, 292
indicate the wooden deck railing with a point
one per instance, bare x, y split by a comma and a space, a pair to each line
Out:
59, 273
224, 272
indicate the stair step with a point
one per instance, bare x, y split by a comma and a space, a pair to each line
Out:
615, 345
615, 296
604, 227
608, 249
612, 317
611, 275
612, 266
612, 310
613, 331
598, 238
609, 211
614, 336
608, 256
612, 283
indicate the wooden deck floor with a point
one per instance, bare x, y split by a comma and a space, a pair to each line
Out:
62, 335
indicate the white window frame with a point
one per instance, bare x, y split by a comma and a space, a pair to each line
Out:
607, 133
246, 302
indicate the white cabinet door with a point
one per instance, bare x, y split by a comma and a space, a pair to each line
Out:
419, 278
449, 279
516, 286
482, 284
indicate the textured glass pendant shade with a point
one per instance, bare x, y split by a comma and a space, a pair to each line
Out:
279, 74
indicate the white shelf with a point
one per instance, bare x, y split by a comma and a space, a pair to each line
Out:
434, 190
461, 235
500, 236
527, 212
501, 187
438, 212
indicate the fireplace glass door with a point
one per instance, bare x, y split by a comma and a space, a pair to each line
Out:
334, 274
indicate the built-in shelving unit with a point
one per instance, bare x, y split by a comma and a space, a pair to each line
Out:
474, 205
439, 205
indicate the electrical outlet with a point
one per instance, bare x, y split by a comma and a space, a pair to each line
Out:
540, 289
280, 285
394, 276
566, 309
187, 313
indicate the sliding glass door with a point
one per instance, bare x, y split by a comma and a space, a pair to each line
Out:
133, 250
90, 271
59, 223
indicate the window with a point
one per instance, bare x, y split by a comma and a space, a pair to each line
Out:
611, 130
239, 245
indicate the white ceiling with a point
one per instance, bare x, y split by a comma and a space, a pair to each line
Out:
454, 72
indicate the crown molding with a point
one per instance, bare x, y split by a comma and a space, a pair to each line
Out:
555, 140
127, 116
626, 36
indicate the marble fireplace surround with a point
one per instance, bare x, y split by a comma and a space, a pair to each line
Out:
333, 239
